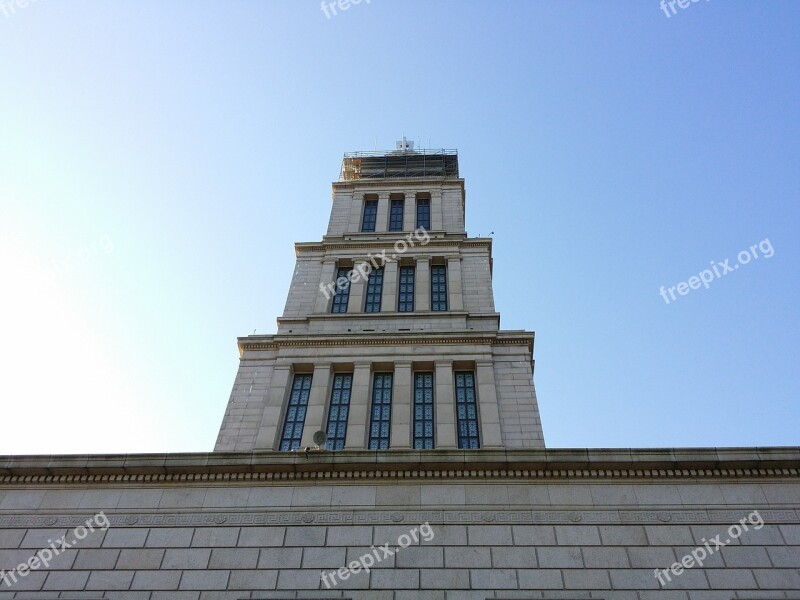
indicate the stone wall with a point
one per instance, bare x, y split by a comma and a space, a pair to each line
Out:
568, 524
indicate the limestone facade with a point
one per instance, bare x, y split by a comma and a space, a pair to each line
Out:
499, 518
314, 338
524, 524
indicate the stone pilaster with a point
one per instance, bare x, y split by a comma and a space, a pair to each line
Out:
358, 288
323, 302
437, 220
455, 294
354, 225
422, 284
389, 295
401, 406
358, 419
445, 413
488, 413
273, 411
317, 400
410, 212
382, 221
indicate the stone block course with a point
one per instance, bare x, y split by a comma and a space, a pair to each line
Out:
190, 558
170, 537
395, 579
92, 559
467, 557
263, 536
140, 559
156, 580
560, 558
109, 580
213, 537
204, 580
245, 579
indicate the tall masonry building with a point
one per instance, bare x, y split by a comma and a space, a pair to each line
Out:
435, 484
390, 337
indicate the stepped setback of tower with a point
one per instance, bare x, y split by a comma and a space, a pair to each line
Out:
389, 338
434, 483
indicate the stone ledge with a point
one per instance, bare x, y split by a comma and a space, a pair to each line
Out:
540, 463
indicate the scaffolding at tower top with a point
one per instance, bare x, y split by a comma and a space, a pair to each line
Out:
399, 164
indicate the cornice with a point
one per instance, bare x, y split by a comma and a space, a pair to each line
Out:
383, 339
409, 183
387, 241
392, 465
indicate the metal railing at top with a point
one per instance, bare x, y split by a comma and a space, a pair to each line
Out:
399, 164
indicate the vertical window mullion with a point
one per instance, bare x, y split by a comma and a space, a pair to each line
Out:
466, 410
423, 411
370, 215
405, 298
396, 215
339, 410
342, 295
423, 214
296, 413
439, 288
374, 291
381, 412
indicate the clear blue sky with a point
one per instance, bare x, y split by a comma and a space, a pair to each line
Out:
158, 161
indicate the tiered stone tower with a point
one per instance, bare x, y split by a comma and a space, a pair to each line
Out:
408, 356
390, 338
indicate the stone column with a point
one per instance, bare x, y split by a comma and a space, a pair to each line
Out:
323, 302
389, 295
422, 284
445, 413
488, 411
269, 430
382, 220
317, 400
356, 210
358, 418
355, 304
437, 219
455, 294
410, 212
402, 406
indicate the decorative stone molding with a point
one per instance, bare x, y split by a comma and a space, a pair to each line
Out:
248, 344
299, 516
524, 465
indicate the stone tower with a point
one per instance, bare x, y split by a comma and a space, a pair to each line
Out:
404, 353
390, 338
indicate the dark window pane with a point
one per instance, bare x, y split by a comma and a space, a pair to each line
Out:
339, 409
381, 411
374, 291
423, 410
405, 299
396, 215
342, 295
296, 413
439, 288
423, 214
466, 410
370, 215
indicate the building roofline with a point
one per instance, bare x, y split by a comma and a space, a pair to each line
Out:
563, 463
